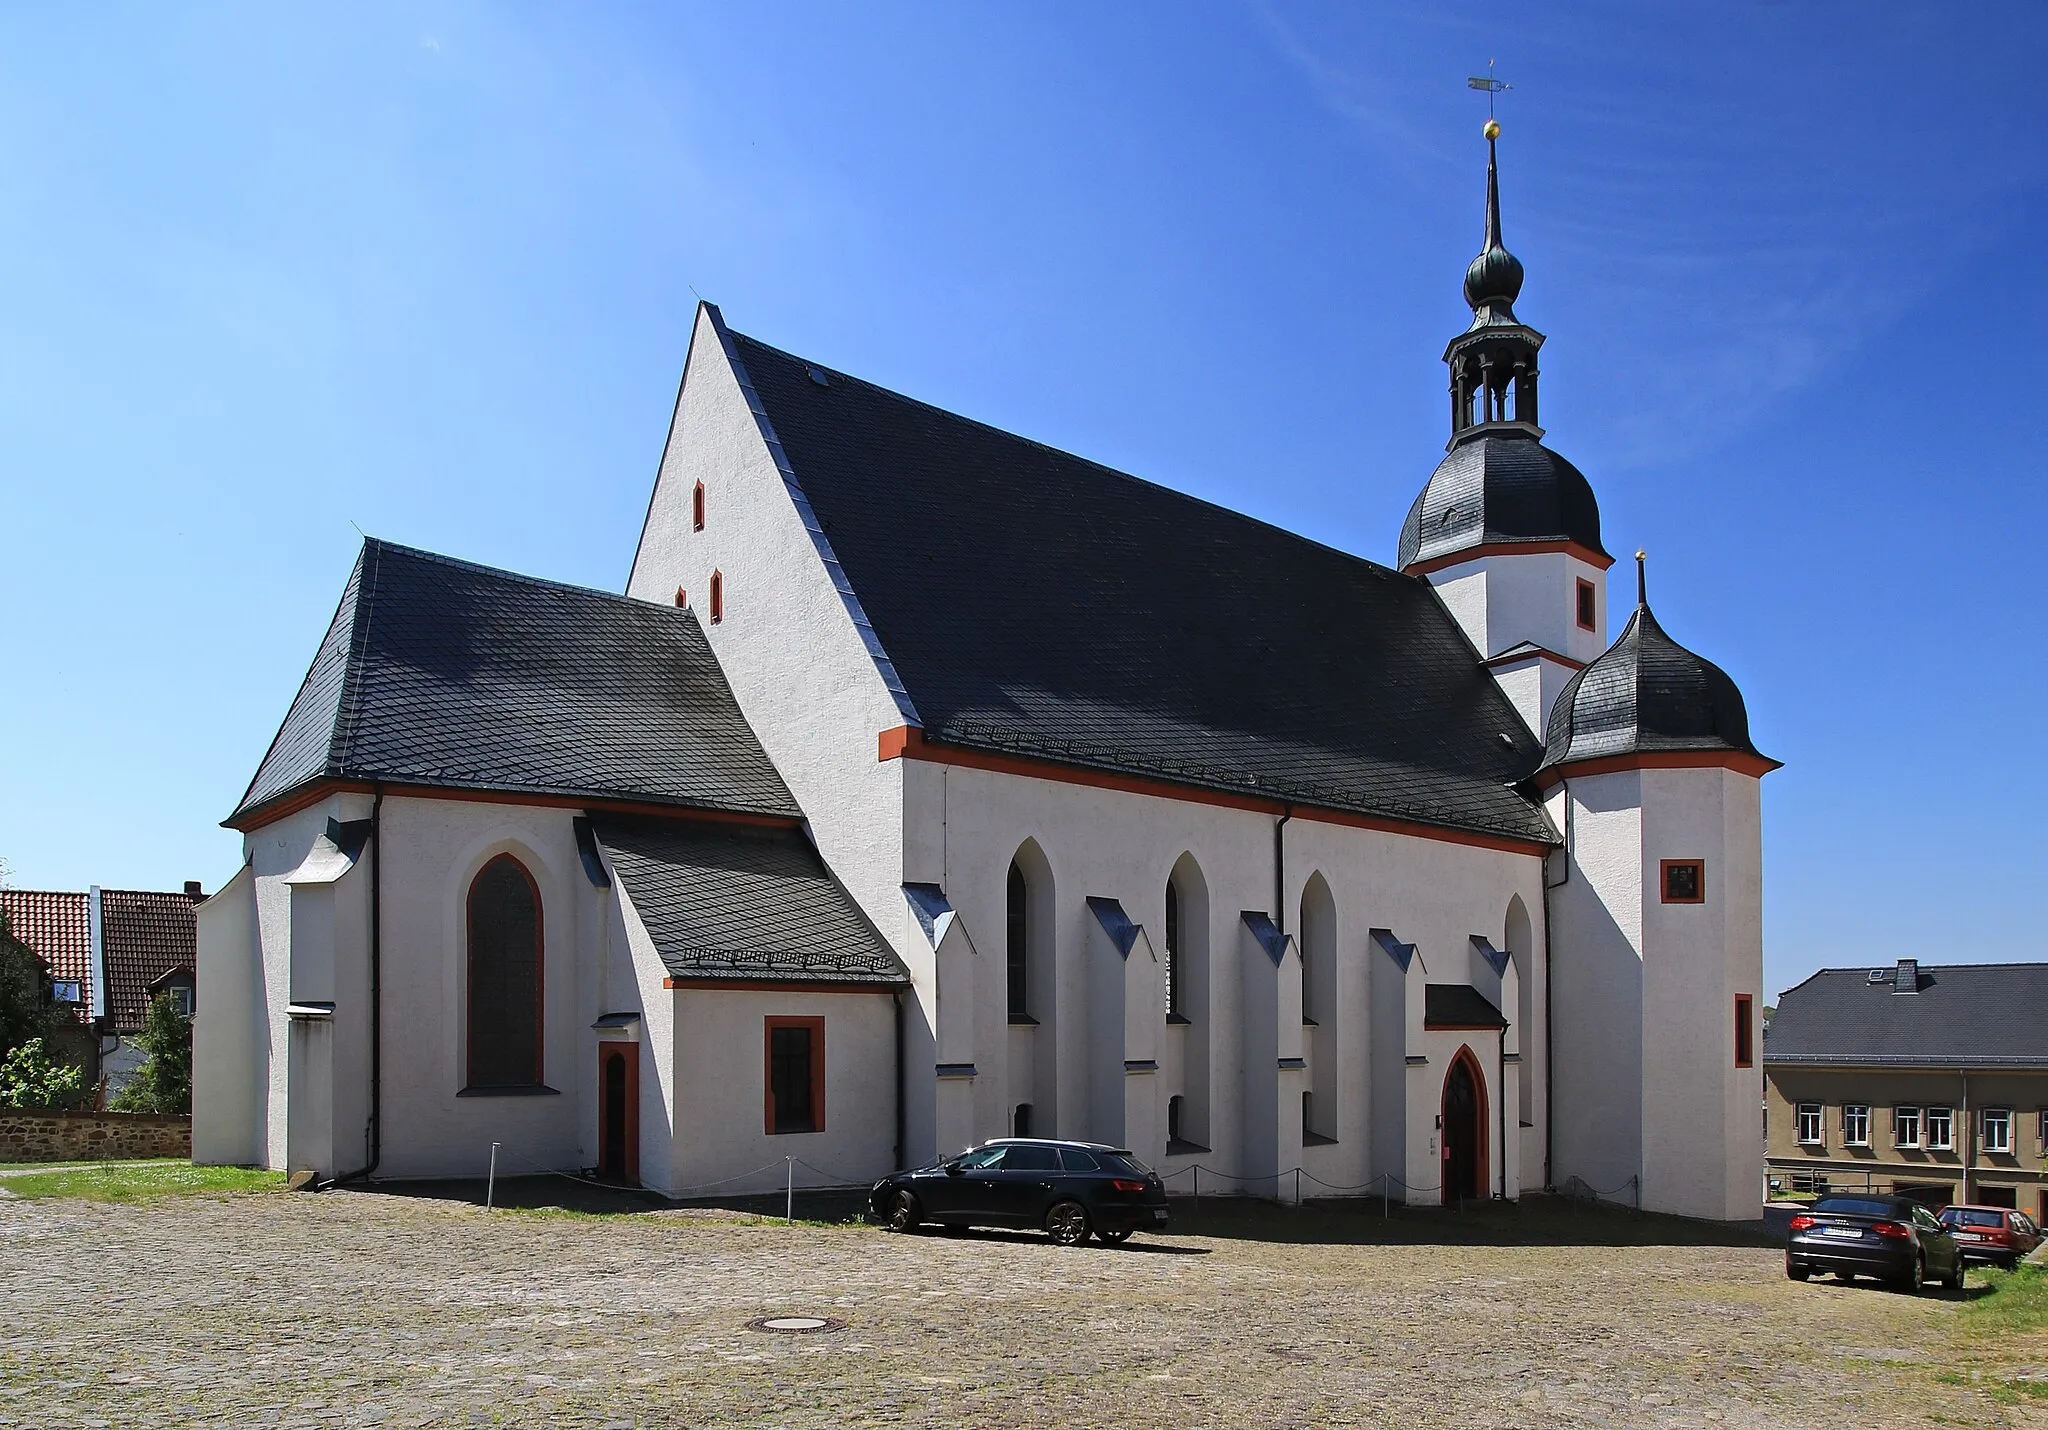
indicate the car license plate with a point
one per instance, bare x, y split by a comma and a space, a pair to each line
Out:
1969, 1236
1159, 1216
1847, 1231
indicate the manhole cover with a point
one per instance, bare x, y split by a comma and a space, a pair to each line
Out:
797, 1325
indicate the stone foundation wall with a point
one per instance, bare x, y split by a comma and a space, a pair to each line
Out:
91, 1136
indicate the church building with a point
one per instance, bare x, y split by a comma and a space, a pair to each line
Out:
927, 784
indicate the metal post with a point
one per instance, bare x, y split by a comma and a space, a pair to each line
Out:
491, 1185
1297, 1186
789, 1196
1386, 1193
1198, 1186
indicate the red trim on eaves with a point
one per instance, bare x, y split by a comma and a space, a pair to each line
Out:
318, 790
1586, 554
909, 742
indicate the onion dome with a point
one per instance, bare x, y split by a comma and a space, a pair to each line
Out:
1500, 487
1647, 694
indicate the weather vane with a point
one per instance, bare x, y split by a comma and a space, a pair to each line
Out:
1492, 87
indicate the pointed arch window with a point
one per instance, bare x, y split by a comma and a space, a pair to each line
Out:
1018, 951
717, 597
697, 507
1176, 974
505, 977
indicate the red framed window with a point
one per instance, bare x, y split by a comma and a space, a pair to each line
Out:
697, 508
1682, 881
1745, 1031
717, 597
1586, 611
793, 1050
506, 981
682, 597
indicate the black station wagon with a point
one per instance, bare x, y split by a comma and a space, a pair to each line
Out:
1068, 1188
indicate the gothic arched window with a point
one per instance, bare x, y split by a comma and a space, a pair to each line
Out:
1018, 953
504, 977
1176, 994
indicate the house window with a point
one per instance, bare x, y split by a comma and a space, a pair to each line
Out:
70, 990
1906, 1126
1941, 1129
181, 999
796, 1075
1998, 1129
1173, 969
1018, 953
697, 508
505, 974
2041, 1133
1809, 1124
682, 597
1684, 881
1856, 1125
1585, 605
717, 597
1745, 1031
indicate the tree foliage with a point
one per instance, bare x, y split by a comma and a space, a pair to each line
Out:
164, 1081
26, 1012
30, 1081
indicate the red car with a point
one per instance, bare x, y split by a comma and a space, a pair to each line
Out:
1995, 1234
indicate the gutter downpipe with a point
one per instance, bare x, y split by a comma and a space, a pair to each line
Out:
1549, 972
1500, 1098
1969, 1131
373, 1132
1280, 867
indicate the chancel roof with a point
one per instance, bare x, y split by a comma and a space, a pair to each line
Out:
1042, 605
724, 901
440, 673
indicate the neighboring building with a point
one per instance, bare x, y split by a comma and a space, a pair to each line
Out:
1163, 827
109, 952
1927, 1081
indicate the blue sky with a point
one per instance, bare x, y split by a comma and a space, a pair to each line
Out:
270, 274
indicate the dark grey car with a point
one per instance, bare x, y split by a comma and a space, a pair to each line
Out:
1068, 1188
1890, 1238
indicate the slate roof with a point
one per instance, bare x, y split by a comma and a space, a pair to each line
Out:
442, 673
55, 926
1458, 1005
725, 901
1039, 604
1974, 1015
1499, 487
1646, 693
143, 935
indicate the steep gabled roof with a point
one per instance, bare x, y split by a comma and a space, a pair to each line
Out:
1038, 604
143, 935
440, 673
750, 905
56, 926
1976, 1015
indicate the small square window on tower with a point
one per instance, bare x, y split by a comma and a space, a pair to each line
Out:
1585, 604
1683, 881
697, 508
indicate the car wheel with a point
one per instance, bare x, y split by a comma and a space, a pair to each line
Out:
1954, 1279
903, 1213
1115, 1238
1797, 1272
1916, 1278
1845, 1277
1067, 1223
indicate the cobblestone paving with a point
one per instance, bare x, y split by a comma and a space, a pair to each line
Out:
370, 1309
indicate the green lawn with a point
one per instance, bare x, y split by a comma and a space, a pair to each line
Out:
2002, 1334
131, 1181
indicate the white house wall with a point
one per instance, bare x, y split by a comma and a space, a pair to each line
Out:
230, 1030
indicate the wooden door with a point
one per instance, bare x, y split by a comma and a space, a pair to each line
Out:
618, 1115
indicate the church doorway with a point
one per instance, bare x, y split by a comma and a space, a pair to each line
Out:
618, 1101
1463, 1136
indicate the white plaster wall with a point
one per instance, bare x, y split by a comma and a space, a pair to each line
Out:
795, 660
633, 982
1120, 845
1532, 686
1596, 981
230, 1061
720, 1061
1702, 1137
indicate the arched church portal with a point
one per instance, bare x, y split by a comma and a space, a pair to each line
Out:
1463, 1135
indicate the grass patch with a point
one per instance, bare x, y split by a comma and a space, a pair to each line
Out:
2001, 1330
2017, 1305
128, 1181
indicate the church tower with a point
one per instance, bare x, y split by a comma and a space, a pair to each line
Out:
1656, 929
1506, 530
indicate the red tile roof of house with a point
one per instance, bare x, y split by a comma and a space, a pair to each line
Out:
143, 935
55, 926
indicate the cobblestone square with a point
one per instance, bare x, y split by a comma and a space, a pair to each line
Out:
369, 1308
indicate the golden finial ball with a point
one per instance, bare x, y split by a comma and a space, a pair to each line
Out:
1492, 130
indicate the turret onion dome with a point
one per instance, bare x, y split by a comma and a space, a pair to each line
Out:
1647, 694
1505, 487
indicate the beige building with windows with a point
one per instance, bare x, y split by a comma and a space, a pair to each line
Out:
1929, 1082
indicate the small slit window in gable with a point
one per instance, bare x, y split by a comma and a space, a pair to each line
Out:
717, 597
682, 597
697, 508
1585, 604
